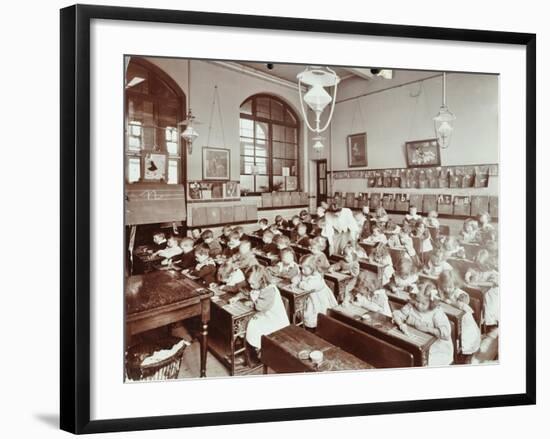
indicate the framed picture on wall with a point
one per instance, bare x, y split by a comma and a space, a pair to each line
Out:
154, 167
216, 163
357, 150
422, 153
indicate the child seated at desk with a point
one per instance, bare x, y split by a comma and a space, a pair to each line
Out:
185, 260
205, 270
381, 257
425, 246
233, 243
320, 298
270, 311
317, 228
381, 217
349, 265
282, 242
317, 247
451, 294
437, 264
159, 242
486, 231
432, 221
392, 233
245, 258
232, 278
196, 235
294, 222
240, 231
275, 230
286, 268
468, 234
451, 248
406, 242
483, 274
172, 249
268, 247
368, 294
405, 277
280, 222
212, 243
412, 217
424, 313
301, 237
264, 225
224, 238
377, 236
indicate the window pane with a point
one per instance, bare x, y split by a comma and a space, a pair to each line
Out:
289, 117
278, 133
278, 183
291, 151
134, 170
247, 128
277, 111
247, 146
246, 108
278, 150
247, 183
291, 134
261, 148
262, 107
173, 171
171, 135
277, 167
291, 165
246, 164
261, 130
262, 183
134, 143
261, 165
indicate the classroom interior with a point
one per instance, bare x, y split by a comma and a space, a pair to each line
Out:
256, 244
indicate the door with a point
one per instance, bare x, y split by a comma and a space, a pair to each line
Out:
321, 181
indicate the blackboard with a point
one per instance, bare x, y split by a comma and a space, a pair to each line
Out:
154, 203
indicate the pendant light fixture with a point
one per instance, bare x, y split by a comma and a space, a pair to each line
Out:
444, 120
190, 134
317, 98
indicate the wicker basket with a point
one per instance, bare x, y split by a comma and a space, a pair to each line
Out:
166, 369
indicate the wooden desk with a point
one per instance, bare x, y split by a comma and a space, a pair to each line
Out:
417, 343
461, 266
264, 259
300, 251
160, 298
228, 327
255, 240
471, 250
280, 351
396, 254
296, 300
143, 261
367, 247
337, 282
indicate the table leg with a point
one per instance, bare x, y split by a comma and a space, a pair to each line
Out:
265, 369
204, 346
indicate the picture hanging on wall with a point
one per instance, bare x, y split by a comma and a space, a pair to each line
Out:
154, 167
357, 150
423, 153
232, 190
216, 163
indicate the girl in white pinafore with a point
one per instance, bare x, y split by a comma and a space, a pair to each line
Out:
471, 335
483, 274
321, 297
271, 314
425, 314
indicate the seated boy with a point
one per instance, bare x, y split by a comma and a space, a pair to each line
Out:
245, 259
268, 246
172, 249
264, 225
232, 244
205, 269
301, 237
212, 243
196, 235
159, 241
186, 260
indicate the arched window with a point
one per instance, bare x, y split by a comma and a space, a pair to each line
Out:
154, 106
269, 145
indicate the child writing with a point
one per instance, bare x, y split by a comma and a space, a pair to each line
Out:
451, 249
268, 247
451, 294
368, 294
172, 249
437, 264
245, 258
232, 278
282, 242
424, 313
377, 236
264, 225
412, 217
270, 311
405, 277
468, 234
286, 268
381, 217
186, 260
233, 243
320, 298
301, 238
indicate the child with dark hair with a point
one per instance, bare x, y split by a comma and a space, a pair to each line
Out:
301, 238
233, 243
232, 277
159, 241
280, 222
205, 270
186, 260
424, 313
268, 247
196, 235
224, 238
264, 225
212, 243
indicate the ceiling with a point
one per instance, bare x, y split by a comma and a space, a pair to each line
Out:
288, 72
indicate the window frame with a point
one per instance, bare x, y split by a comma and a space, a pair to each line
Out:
269, 140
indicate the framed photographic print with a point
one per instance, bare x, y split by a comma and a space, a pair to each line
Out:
423, 153
142, 323
357, 150
216, 163
154, 167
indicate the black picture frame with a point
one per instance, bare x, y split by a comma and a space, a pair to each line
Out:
75, 217
414, 145
362, 161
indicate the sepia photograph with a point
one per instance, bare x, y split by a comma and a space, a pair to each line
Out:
318, 269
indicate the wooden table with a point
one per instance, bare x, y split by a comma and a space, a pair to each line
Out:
264, 259
280, 351
417, 343
157, 299
337, 282
228, 327
144, 261
255, 240
296, 300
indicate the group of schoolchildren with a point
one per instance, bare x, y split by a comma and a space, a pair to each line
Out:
230, 262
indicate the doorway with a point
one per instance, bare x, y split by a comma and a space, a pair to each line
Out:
321, 181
